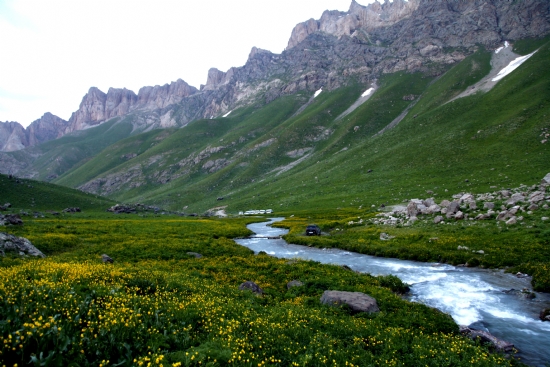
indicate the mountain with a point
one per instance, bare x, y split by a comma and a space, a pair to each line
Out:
359, 101
13, 136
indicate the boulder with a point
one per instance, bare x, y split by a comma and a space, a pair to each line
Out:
546, 179
251, 286
429, 202
412, 209
505, 193
71, 210
294, 283
533, 207
107, 259
472, 205
18, 245
454, 207
385, 236
118, 209
516, 198
195, 254
485, 337
438, 219
488, 205
459, 215
357, 301
536, 197
466, 198
545, 314
503, 215
445, 203
13, 219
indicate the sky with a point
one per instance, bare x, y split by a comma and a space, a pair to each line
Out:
54, 51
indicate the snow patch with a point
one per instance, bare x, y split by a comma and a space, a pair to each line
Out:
367, 92
318, 92
506, 45
513, 65
227, 114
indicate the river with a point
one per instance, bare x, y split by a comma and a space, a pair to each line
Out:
473, 297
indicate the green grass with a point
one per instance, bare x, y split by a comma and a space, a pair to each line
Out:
157, 305
30, 196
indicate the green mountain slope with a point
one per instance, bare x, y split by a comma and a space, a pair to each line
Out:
31, 195
283, 156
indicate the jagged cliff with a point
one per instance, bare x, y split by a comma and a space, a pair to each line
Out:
359, 45
13, 136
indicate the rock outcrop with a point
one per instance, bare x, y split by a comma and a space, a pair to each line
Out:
97, 107
18, 245
12, 136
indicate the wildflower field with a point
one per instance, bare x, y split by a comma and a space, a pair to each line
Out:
158, 306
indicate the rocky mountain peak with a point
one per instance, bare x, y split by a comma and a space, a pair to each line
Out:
358, 17
46, 128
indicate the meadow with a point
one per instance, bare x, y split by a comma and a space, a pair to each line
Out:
158, 306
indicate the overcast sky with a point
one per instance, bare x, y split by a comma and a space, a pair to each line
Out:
54, 51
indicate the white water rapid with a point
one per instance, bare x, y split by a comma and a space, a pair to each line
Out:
473, 297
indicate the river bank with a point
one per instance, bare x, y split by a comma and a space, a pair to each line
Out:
481, 298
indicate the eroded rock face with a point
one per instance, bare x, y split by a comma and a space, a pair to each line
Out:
18, 245
12, 136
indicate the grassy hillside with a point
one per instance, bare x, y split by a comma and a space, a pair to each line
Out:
31, 195
270, 156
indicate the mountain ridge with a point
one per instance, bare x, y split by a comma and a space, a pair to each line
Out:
361, 44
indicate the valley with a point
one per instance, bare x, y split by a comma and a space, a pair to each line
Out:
414, 131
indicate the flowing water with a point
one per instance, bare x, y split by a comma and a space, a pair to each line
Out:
473, 297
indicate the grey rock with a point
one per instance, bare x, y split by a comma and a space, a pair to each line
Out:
434, 209
385, 236
536, 197
503, 215
466, 198
505, 193
438, 219
251, 286
72, 210
445, 203
18, 245
533, 207
107, 259
412, 209
488, 205
545, 314
516, 198
482, 217
511, 221
195, 254
472, 205
429, 202
546, 179
12, 219
357, 301
294, 283
485, 337
444, 211
454, 207
459, 215
544, 218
